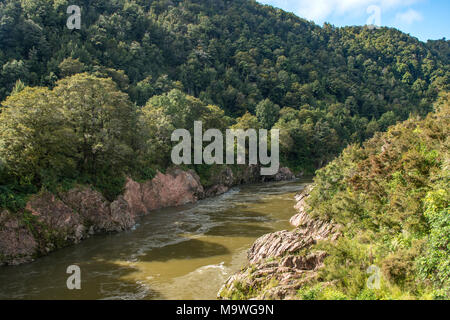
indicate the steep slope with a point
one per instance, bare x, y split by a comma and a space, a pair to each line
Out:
376, 224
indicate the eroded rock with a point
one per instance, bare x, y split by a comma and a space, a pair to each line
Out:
54, 220
280, 263
95, 210
284, 174
216, 190
69, 217
17, 243
172, 189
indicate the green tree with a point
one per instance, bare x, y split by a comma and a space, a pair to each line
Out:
267, 113
175, 110
70, 67
101, 120
35, 142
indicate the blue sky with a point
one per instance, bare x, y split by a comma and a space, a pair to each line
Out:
424, 19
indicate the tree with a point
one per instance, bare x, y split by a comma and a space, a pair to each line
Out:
70, 67
101, 120
34, 138
10, 73
267, 113
83, 127
247, 121
175, 110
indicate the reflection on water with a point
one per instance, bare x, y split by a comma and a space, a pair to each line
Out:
176, 253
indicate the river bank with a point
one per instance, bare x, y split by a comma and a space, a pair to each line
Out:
184, 252
54, 221
280, 263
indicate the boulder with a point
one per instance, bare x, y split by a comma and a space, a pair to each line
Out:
283, 174
175, 188
216, 190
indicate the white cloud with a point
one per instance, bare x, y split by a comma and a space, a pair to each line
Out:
408, 17
319, 10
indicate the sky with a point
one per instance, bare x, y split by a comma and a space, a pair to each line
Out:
424, 19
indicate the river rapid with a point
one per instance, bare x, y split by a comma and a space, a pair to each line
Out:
175, 253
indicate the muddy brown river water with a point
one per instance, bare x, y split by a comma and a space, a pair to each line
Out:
176, 253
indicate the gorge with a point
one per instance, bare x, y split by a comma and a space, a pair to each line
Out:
185, 252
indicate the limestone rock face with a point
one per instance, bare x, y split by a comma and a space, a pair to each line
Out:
280, 263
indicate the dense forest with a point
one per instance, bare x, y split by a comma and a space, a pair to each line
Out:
94, 105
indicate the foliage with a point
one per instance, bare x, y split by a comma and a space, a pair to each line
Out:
92, 103
267, 113
80, 130
174, 110
334, 86
390, 198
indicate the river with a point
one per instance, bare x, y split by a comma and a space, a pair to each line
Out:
175, 253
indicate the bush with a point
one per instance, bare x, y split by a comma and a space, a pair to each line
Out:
390, 197
14, 197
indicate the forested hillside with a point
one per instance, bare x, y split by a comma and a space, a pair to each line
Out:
227, 62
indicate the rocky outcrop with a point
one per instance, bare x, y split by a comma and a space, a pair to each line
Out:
302, 218
175, 188
221, 182
282, 262
96, 213
226, 178
216, 190
53, 221
284, 174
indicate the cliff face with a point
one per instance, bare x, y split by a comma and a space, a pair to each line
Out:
280, 263
52, 221
164, 190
